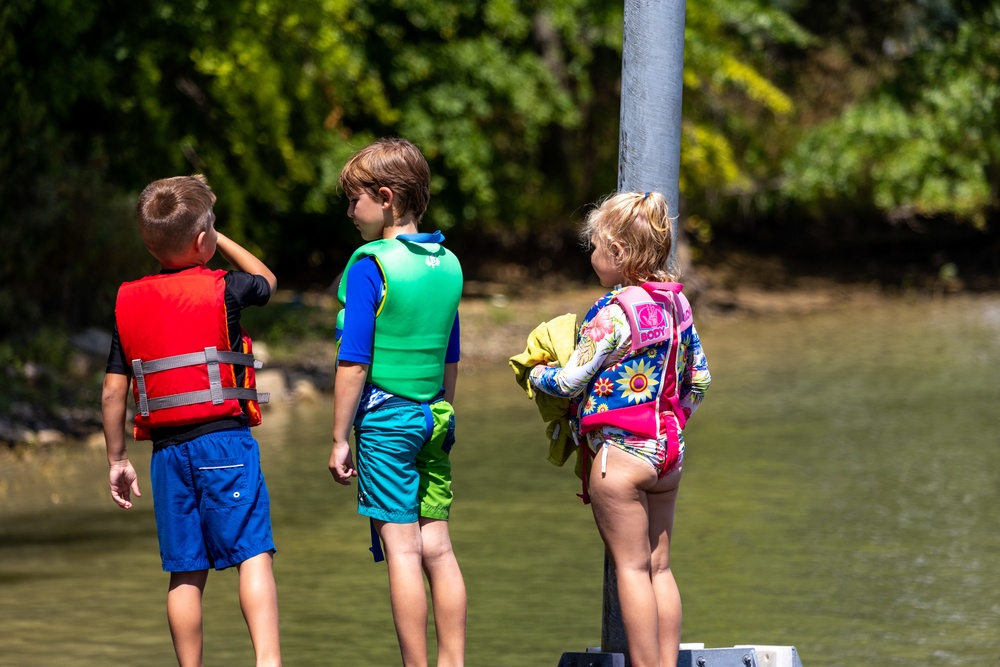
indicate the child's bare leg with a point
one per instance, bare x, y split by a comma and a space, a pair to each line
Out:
668, 599
447, 592
184, 615
259, 602
403, 554
622, 516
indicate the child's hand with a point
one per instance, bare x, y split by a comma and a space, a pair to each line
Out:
341, 464
123, 483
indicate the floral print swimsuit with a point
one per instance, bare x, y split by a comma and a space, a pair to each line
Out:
604, 341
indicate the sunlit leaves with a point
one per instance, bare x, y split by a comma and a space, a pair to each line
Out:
926, 146
726, 87
708, 157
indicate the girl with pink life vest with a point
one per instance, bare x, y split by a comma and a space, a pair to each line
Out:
637, 374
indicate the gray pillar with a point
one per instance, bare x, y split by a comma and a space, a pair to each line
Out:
649, 143
649, 155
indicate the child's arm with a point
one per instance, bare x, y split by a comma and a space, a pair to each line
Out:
364, 285
451, 359
244, 260
122, 475
696, 379
450, 380
348, 385
603, 344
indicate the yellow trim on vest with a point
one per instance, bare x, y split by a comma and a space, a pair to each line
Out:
385, 286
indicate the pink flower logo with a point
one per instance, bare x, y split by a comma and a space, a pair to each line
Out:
650, 316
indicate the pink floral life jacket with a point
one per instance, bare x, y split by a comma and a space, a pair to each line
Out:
640, 393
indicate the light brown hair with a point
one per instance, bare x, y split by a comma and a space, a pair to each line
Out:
391, 163
172, 212
641, 224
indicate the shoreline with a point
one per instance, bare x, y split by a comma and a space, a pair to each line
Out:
496, 318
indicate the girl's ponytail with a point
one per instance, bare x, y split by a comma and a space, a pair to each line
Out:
640, 222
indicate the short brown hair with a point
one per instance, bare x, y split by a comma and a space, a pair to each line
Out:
391, 163
172, 212
641, 224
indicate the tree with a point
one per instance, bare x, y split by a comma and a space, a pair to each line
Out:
922, 144
515, 104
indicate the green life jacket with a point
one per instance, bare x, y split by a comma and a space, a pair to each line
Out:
423, 285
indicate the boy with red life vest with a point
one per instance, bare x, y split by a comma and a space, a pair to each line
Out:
178, 341
637, 373
395, 383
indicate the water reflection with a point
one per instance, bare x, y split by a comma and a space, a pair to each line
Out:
839, 496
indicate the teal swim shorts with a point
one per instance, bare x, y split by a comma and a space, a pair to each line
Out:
404, 469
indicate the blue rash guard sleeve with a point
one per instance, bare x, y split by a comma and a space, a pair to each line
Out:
364, 292
454, 353
365, 287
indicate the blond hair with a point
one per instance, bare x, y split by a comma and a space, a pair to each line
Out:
640, 224
172, 212
390, 163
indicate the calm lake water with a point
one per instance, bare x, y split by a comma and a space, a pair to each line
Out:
840, 495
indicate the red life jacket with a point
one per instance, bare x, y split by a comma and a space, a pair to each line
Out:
174, 331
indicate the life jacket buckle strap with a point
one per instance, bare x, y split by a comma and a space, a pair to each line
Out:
140, 384
214, 377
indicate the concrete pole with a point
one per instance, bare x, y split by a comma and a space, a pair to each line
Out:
649, 155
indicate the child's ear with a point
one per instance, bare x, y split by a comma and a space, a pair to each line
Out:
199, 242
616, 250
387, 196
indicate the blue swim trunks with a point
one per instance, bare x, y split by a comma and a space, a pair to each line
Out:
404, 469
211, 503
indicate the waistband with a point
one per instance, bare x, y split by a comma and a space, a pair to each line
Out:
400, 402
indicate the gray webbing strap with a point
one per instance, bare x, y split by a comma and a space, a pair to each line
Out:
140, 385
216, 393
214, 378
196, 358
206, 395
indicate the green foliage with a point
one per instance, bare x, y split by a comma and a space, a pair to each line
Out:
730, 105
479, 87
515, 104
924, 146
104, 97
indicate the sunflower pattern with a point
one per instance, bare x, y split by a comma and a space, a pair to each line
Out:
638, 382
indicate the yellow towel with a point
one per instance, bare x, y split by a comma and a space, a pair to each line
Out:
550, 341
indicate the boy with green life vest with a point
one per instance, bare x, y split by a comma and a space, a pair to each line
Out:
396, 372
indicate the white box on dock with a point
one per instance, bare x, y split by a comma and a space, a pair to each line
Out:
774, 656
